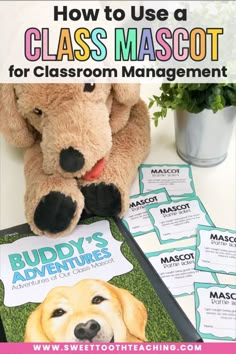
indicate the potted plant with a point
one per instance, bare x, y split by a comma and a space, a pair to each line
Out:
204, 119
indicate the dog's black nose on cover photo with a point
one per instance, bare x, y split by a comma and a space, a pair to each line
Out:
87, 330
71, 160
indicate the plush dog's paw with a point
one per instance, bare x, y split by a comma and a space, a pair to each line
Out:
54, 212
102, 199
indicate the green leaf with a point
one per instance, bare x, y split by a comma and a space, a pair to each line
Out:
193, 98
151, 103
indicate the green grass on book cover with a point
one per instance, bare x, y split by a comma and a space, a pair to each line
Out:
159, 328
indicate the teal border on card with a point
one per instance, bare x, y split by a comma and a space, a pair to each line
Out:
197, 304
207, 217
191, 248
155, 191
141, 185
198, 242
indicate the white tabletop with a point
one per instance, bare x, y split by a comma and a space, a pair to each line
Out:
215, 186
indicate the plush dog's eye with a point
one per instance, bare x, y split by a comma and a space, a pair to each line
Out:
58, 313
89, 87
37, 111
97, 300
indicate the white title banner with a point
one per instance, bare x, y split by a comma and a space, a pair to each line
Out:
102, 41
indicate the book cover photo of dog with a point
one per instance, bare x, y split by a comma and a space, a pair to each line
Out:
89, 286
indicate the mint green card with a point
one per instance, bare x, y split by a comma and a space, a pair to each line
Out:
178, 220
177, 179
176, 268
215, 311
216, 250
137, 219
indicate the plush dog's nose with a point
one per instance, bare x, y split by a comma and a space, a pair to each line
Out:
87, 330
71, 160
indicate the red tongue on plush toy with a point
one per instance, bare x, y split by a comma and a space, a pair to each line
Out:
96, 171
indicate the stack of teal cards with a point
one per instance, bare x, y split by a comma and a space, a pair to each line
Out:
192, 252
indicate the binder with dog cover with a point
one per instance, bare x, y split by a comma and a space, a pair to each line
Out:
96, 283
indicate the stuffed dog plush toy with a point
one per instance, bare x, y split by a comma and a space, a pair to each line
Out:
84, 144
90, 311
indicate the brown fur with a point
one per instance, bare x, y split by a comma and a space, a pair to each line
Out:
121, 316
110, 122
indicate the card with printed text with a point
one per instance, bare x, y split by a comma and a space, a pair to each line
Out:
176, 269
177, 179
177, 220
137, 219
216, 250
216, 311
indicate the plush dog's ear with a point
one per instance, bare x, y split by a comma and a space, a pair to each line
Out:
126, 94
33, 330
12, 124
124, 97
134, 314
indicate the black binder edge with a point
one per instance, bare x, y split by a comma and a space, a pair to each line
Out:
181, 321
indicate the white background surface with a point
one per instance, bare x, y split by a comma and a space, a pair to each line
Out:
216, 187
